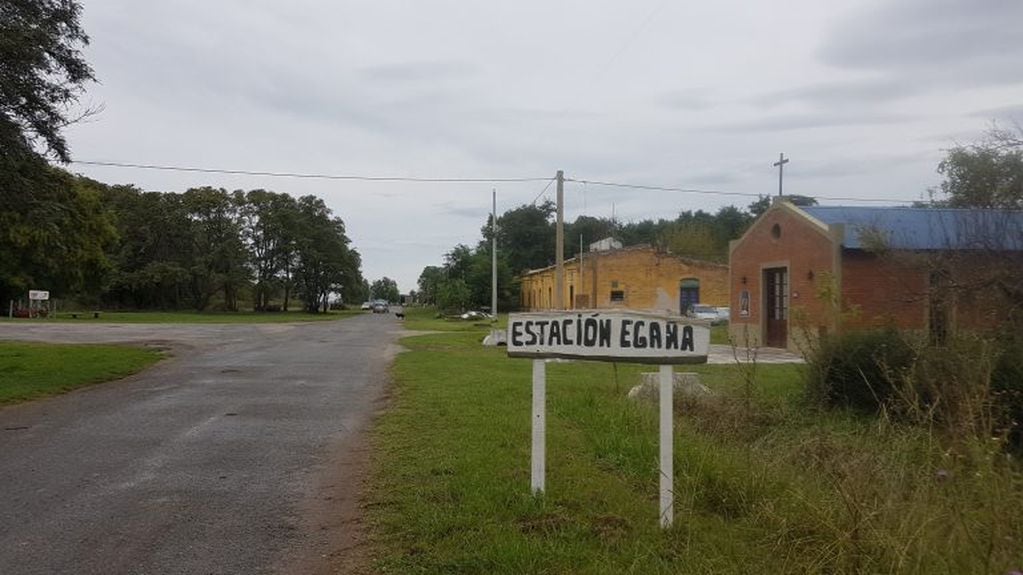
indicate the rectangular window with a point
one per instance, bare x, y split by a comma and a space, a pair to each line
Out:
617, 296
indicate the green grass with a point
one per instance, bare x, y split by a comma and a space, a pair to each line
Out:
34, 370
763, 482
197, 317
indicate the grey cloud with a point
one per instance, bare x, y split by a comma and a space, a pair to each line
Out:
913, 47
1003, 113
809, 121
929, 34
843, 92
693, 99
432, 71
857, 166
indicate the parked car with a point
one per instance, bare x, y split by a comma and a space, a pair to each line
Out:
366, 305
380, 307
716, 315
473, 314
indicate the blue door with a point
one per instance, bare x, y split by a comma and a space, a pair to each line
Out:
688, 295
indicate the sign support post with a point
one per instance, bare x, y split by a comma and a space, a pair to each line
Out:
539, 455
609, 335
667, 445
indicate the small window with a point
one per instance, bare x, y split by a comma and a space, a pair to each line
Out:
617, 296
775, 231
614, 284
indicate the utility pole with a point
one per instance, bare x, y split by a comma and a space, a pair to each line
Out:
559, 239
782, 160
493, 262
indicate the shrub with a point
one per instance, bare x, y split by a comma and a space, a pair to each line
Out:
857, 370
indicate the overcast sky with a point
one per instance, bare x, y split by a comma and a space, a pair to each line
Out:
862, 95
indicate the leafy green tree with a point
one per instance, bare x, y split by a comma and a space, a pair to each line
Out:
55, 236
154, 249
429, 284
988, 174
454, 295
323, 261
266, 222
527, 236
42, 74
218, 260
386, 289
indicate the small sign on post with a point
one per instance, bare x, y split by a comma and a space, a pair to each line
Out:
38, 295
620, 336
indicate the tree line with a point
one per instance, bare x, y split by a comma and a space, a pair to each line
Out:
122, 247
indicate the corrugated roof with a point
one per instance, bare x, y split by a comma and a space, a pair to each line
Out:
924, 228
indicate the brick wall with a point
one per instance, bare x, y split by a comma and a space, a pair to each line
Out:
883, 291
802, 246
648, 280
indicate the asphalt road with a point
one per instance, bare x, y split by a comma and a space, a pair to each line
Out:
220, 460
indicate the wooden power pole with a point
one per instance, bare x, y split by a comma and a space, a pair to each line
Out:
559, 238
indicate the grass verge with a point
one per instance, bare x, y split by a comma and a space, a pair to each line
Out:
763, 482
34, 370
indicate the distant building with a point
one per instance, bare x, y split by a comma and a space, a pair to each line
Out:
638, 277
802, 271
606, 244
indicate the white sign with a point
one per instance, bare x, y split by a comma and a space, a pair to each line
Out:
38, 295
625, 336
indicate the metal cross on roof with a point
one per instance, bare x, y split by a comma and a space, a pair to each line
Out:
782, 160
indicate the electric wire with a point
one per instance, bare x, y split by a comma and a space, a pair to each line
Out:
643, 187
305, 175
414, 179
544, 190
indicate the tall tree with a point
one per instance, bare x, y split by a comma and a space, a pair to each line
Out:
265, 219
527, 236
988, 174
218, 261
42, 74
324, 262
55, 238
386, 289
429, 284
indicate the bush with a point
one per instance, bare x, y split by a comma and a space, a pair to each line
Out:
858, 370
1007, 387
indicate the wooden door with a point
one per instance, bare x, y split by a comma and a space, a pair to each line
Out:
776, 307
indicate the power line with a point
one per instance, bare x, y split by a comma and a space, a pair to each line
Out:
725, 193
412, 179
305, 175
544, 191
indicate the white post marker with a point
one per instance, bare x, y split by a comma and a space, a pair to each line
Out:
602, 335
539, 455
667, 445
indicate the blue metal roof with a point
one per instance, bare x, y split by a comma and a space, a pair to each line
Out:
924, 228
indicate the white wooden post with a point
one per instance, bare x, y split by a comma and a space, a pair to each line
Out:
667, 447
539, 425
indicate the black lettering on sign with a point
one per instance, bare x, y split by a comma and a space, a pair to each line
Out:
605, 333
566, 331
687, 338
590, 332
555, 338
655, 335
516, 330
542, 324
530, 334
624, 339
579, 329
638, 339
671, 336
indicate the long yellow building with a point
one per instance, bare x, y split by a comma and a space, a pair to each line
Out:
638, 277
